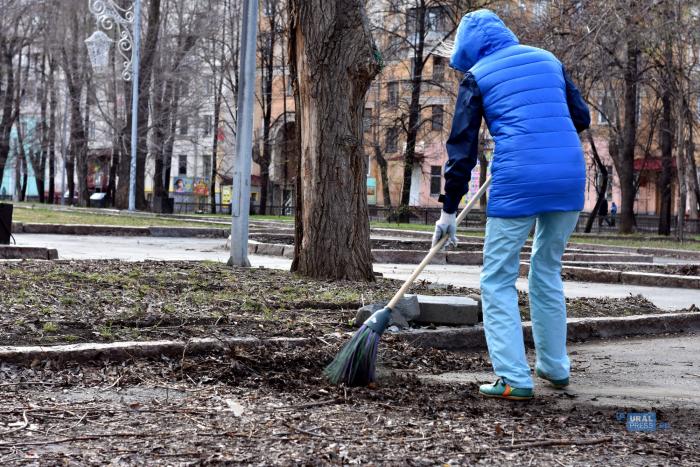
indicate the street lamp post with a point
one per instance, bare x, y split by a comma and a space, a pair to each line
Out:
110, 15
240, 202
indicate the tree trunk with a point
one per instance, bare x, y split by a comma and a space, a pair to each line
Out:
682, 146
600, 190
53, 105
625, 163
666, 138
333, 63
10, 108
414, 113
384, 174
268, 60
215, 143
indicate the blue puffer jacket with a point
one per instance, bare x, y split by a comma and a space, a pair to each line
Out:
538, 164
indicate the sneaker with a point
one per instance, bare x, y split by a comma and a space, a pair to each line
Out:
503, 390
556, 383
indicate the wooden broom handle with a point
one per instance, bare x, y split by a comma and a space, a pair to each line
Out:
438, 246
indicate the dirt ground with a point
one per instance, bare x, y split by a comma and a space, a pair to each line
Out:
273, 407
49, 302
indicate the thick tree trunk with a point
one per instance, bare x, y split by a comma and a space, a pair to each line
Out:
414, 112
333, 63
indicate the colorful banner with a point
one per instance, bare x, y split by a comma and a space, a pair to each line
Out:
226, 194
198, 186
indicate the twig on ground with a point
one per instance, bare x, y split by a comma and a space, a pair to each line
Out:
559, 442
310, 433
26, 424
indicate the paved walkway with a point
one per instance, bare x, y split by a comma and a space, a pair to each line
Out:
627, 374
142, 248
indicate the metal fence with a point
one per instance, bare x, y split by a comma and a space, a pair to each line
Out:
644, 224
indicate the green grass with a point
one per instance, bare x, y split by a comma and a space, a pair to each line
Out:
43, 215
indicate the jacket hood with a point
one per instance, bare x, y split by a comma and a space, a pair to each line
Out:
479, 34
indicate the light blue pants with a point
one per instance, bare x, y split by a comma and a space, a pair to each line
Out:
505, 238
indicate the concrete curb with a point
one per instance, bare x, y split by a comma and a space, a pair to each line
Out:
466, 338
578, 329
27, 252
120, 351
609, 276
121, 231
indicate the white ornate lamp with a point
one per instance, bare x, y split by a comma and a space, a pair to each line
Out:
98, 46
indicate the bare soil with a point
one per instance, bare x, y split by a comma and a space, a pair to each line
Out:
272, 407
47, 302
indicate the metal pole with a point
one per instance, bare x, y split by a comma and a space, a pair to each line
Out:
64, 146
135, 62
244, 137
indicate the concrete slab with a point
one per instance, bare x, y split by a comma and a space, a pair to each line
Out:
620, 374
407, 309
447, 310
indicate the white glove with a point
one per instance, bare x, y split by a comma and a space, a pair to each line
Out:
446, 225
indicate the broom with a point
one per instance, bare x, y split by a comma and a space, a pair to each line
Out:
355, 363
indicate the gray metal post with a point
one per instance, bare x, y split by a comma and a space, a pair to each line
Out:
64, 148
135, 63
240, 202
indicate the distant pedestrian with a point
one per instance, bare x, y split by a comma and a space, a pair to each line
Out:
603, 213
613, 213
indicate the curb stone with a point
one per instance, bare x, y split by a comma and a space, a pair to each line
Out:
578, 329
27, 252
120, 351
464, 338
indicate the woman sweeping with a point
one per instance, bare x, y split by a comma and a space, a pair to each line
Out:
533, 112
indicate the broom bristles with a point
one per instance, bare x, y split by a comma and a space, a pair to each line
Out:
356, 362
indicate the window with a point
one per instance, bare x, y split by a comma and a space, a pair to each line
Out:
437, 118
183, 126
367, 119
392, 90
606, 109
434, 17
438, 68
92, 131
435, 180
182, 164
206, 165
206, 125
392, 139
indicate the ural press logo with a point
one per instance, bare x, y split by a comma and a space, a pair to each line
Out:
641, 421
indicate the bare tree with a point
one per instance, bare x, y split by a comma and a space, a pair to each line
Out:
332, 62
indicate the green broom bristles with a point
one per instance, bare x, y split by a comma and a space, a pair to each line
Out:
355, 363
